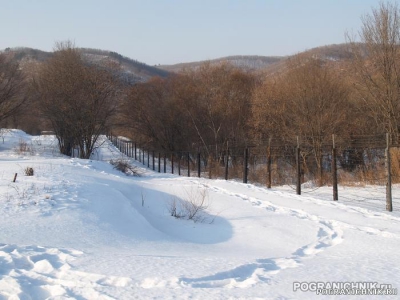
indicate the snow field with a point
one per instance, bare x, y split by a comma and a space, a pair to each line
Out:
78, 229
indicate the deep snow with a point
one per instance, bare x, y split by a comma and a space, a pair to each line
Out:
77, 229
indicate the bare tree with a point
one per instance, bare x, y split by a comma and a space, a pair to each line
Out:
151, 110
197, 109
219, 108
310, 100
376, 63
78, 99
12, 87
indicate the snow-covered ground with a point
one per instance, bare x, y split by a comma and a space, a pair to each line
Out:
78, 229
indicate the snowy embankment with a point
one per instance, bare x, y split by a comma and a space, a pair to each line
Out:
78, 229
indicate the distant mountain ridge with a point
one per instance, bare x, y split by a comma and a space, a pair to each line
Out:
267, 64
246, 62
133, 70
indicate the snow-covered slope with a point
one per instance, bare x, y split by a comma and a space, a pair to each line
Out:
78, 229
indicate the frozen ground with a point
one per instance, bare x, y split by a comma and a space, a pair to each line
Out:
78, 229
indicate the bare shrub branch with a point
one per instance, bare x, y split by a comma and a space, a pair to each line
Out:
192, 207
125, 167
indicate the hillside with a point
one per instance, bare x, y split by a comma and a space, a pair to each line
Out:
245, 62
136, 71
334, 54
133, 70
266, 65
79, 229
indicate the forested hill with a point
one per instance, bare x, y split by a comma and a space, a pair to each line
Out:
246, 62
134, 70
267, 64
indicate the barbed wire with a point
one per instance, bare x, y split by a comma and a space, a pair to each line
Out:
359, 158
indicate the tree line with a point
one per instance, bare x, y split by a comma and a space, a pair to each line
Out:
217, 106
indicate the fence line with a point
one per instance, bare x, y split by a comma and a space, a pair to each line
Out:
282, 162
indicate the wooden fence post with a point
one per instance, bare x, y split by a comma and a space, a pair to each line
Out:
165, 162
389, 206
179, 164
334, 171
135, 152
245, 164
188, 164
269, 162
227, 164
298, 168
198, 165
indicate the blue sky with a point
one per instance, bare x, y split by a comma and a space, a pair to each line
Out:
173, 31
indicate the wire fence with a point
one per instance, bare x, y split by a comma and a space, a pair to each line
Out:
303, 164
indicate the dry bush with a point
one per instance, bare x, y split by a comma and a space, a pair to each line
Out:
192, 207
22, 147
349, 179
29, 171
395, 164
363, 175
125, 167
215, 169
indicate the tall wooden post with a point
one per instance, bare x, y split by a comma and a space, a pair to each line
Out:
154, 167
210, 166
334, 171
298, 169
179, 164
172, 163
143, 157
227, 164
135, 152
188, 164
148, 158
159, 162
269, 162
245, 164
165, 163
389, 206
198, 165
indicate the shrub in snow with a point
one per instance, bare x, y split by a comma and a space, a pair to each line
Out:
125, 167
22, 147
192, 207
28, 171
